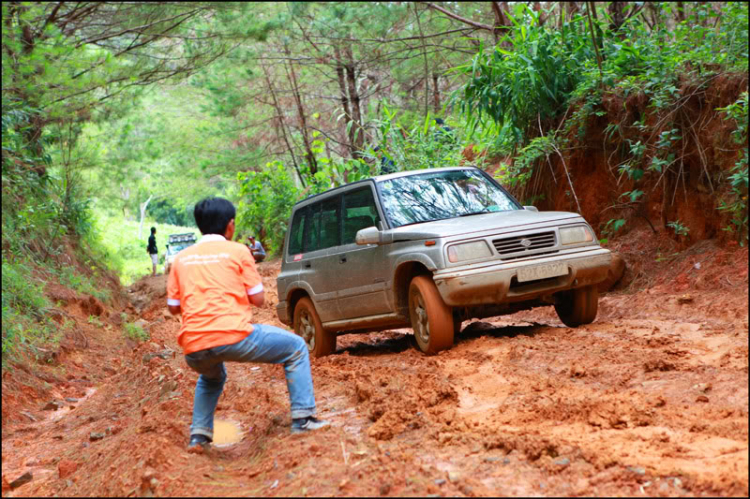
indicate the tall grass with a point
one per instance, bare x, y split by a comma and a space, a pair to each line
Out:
125, 252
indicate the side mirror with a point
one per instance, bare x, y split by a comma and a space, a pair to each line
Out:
368, 235
530, 208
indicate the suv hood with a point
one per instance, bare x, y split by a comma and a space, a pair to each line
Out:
491, 223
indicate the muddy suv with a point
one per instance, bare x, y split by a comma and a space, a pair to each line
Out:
430, 249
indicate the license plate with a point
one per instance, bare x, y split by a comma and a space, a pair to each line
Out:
536, 272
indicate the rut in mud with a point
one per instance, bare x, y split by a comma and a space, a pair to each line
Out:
652, 399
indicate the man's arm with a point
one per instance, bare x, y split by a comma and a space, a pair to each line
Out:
258, 299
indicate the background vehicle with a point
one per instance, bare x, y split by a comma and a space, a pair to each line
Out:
430, 249
175, 244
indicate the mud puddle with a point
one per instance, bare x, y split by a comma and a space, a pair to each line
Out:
226, 433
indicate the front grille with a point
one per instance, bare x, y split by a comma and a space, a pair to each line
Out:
512, 245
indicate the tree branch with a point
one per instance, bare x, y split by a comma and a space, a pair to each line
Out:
459, 18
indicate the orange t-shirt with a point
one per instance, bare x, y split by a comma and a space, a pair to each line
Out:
211, 281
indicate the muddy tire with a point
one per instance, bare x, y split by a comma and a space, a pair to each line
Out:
307, 325
431, 318
578, 306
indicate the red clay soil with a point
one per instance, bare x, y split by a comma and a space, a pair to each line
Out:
651, 399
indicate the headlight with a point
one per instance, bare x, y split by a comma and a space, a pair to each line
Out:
468, 251
576, 235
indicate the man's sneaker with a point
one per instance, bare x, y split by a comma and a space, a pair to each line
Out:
198, 444
309, 423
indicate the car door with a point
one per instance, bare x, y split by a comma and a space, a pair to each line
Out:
363, 277
319, 260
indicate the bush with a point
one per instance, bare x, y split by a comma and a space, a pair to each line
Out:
23, 306
266, 200
135, 332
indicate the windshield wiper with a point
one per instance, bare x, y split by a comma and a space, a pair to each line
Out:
475, 213
424, 222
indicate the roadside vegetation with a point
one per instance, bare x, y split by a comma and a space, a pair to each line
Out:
118, 117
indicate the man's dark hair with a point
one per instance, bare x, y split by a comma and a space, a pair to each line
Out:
439, 121
153, 230
212, 215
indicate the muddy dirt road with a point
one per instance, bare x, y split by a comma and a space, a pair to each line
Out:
650, 400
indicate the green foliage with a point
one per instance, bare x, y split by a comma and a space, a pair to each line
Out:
538, 72
266, 200
72, 279
135, 332
95, 321
124, 251
423, 145
738, 180
612, 226
678, 228
23, 306
538, 150
531, 79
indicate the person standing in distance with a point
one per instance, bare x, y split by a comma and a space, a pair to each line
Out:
213, 284
152, 251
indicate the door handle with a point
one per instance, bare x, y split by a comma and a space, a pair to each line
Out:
342, 259
308, 265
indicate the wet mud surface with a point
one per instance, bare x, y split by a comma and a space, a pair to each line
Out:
650, 400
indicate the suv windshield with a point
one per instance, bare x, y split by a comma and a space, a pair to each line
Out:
175, 248
427, 197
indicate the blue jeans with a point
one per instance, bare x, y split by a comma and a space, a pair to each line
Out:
266, 344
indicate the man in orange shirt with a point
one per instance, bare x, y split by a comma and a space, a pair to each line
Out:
213, 283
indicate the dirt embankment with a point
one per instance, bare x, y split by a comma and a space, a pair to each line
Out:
678, 157
651, 399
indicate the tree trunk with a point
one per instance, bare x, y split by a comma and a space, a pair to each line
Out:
356, 133
680, 12
282, 126
436, 92
572, 9
344, 97
311, 161
426, 64
143, 207
502, 23
617, 14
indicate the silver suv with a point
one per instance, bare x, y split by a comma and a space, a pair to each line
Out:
430, 249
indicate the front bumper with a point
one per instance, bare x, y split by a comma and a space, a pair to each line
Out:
493, 284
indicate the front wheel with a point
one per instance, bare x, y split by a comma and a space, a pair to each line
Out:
579, 306
431, 318
307, 325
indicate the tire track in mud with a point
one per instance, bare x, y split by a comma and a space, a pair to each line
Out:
652, 400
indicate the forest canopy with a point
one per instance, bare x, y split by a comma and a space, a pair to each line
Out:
134, 111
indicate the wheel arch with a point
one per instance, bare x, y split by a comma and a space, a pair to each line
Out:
293, 297
405, 272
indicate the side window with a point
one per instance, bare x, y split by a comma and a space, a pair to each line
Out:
312, 229
330, 232
322, 229
295, 235
360, 212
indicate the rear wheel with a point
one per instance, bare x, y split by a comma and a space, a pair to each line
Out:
431, 318
307, 325
578, 306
